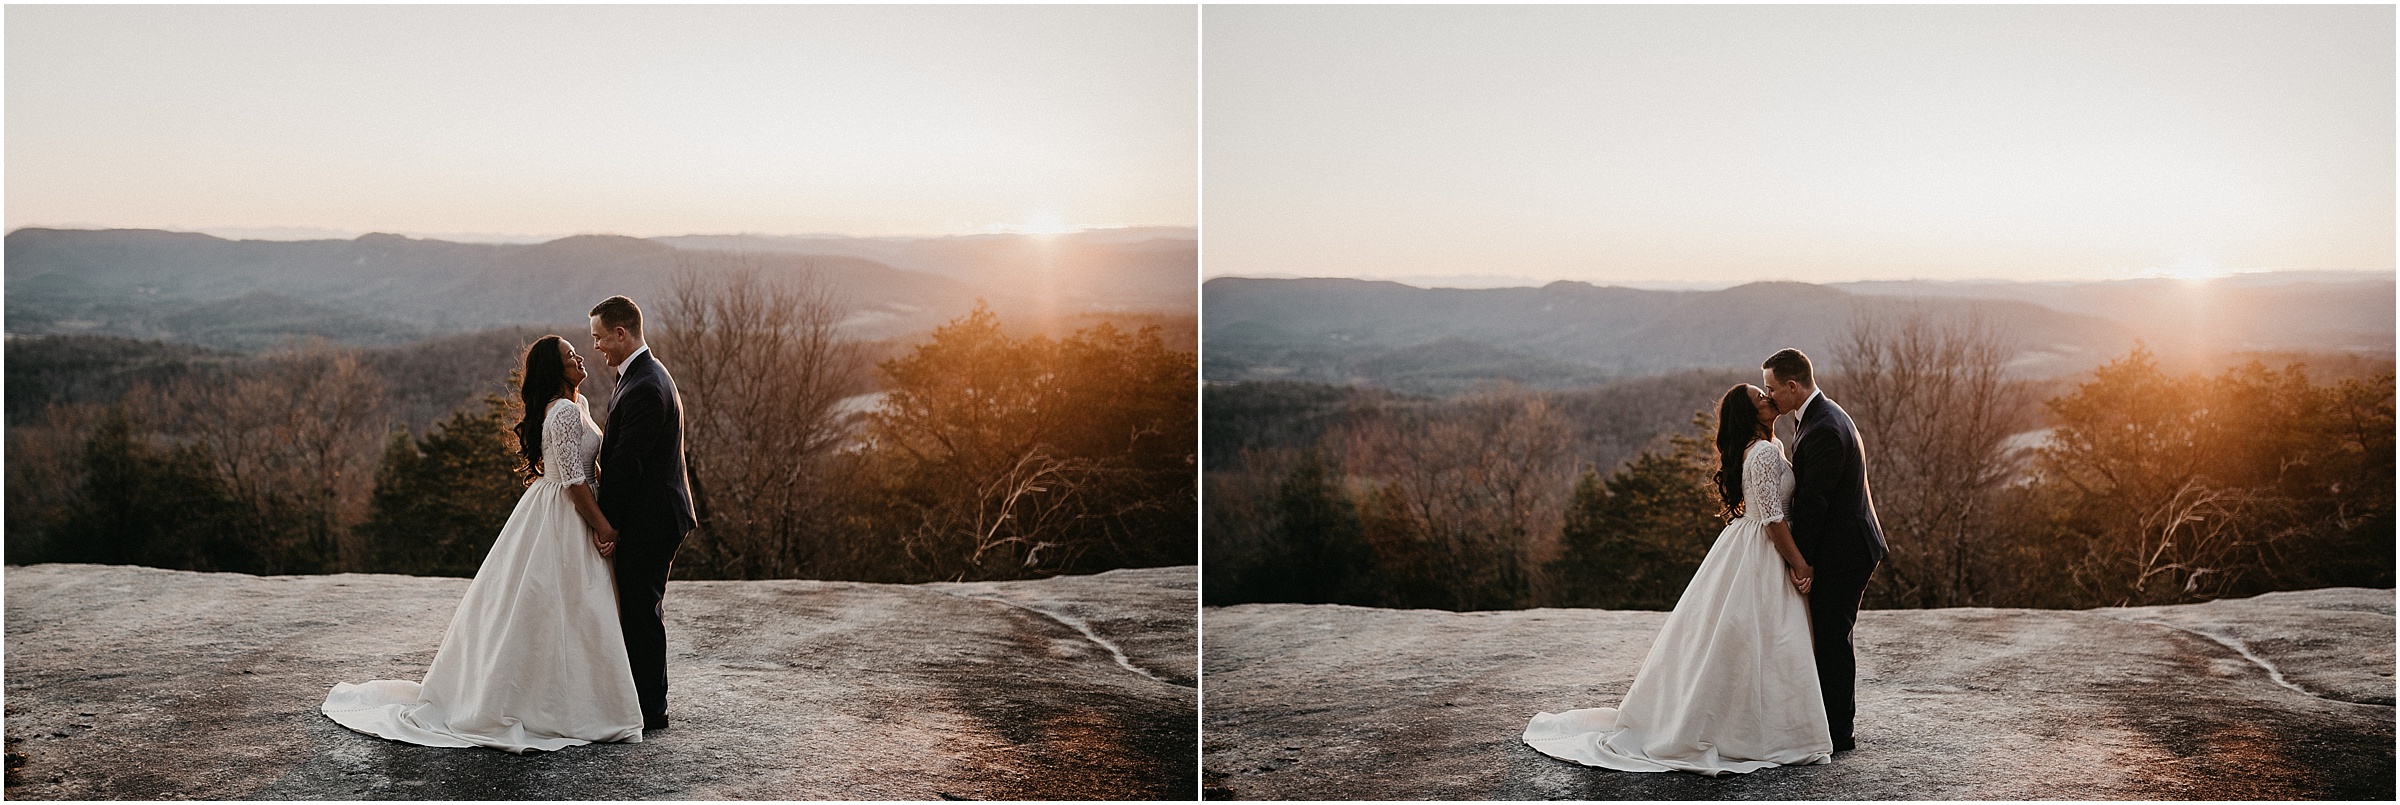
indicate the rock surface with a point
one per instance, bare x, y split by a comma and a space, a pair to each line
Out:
2286, 695
127, 682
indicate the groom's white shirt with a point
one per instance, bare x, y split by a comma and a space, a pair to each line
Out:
625, 364
1792, 450
628, 361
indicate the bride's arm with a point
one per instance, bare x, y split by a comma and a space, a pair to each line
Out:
587, 505
1762, 477
563, 433
1780, 534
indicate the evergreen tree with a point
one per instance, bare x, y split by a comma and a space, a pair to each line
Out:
440, 500
139, 505
1633, 540
2359, 498
995, 457
1319, 532
2169, 489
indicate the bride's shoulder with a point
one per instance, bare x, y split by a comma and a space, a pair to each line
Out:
1764, 447
565, 404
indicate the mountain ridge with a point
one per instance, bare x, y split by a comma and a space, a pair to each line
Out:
1348, 331
162, 284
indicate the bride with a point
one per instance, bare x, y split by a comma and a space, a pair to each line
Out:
533, 658
1730, 684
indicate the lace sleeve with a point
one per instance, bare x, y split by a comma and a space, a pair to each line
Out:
1762, 482
563, 456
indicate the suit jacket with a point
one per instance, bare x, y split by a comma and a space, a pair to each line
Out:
643, 489
1832, 513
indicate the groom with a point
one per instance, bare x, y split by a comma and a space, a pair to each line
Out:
642, 493
1833, 524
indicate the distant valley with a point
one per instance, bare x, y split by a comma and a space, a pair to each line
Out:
1571, 334
377, 289
1146, 268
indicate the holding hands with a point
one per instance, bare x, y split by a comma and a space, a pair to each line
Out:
1802, 576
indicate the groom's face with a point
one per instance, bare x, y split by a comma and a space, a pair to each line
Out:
612, 343
1787, 394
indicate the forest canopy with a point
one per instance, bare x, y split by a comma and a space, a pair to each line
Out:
969, 453
2128, 485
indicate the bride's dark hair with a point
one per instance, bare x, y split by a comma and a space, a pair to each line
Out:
545, 379
1737, 427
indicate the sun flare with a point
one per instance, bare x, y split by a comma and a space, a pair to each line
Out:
1045, 223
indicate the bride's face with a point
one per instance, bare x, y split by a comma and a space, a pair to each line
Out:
1765, 405
573, 362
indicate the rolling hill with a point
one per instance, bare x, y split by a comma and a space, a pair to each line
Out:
1570, 334
2344, 311
1101, 269
380, 289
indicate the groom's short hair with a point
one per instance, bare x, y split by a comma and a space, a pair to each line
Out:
618, 311
1790, 364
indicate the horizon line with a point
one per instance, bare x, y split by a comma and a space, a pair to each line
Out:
1515, 282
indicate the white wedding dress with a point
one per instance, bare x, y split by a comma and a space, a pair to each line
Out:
1730, 684
533, 658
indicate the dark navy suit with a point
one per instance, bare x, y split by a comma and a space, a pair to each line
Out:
644, 494
1833, 524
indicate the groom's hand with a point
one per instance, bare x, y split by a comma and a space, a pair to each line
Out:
606, 540
1802, 577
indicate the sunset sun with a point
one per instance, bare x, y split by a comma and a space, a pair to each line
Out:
1043, 223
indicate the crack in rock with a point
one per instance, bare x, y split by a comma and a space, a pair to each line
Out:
2273, 673
1076, 624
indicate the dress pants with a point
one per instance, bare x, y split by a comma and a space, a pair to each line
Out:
642, 567
1833, 601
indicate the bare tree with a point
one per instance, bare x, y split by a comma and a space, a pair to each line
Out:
1480, 484
763, 368
297, 438
1935, 404
45, 470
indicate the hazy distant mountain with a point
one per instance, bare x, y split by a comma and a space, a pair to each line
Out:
1132, 268
376, 289
321, 233
1566, 334
2292, 310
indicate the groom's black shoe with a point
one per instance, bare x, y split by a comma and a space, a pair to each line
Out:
1842, 744
656, 722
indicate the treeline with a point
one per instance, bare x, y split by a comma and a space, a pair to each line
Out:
983, 456
423, 381
1464, 494
2133, 485
260, 466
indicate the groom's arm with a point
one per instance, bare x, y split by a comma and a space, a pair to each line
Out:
1813, 478
636, 422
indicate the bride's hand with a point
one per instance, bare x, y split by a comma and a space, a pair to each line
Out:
605, 538
1802, 578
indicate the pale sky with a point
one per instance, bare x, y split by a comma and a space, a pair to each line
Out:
1712, 145
554, 120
